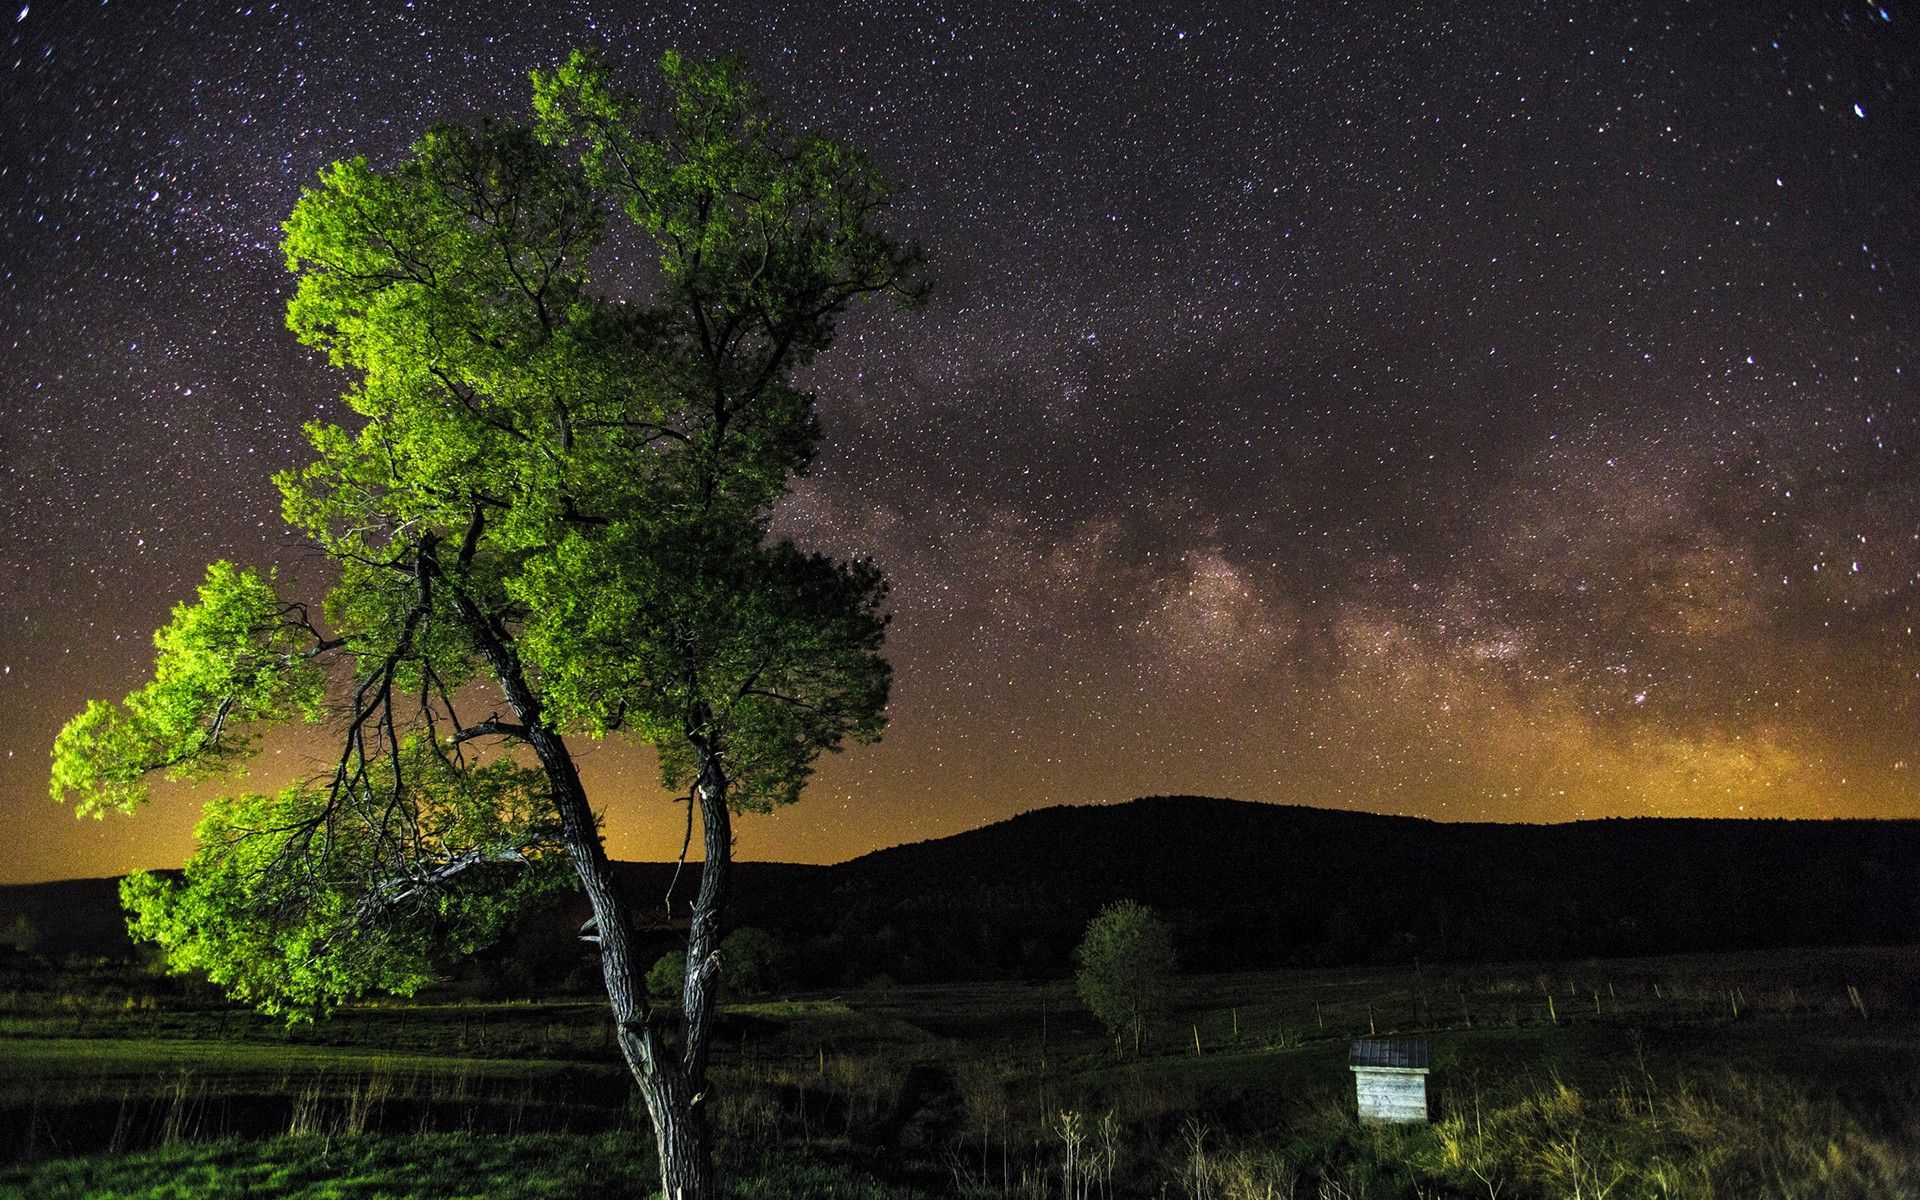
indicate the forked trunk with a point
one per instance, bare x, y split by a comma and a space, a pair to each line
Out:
674, 1091
676, 1094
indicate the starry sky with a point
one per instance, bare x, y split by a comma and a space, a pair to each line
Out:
1484, 412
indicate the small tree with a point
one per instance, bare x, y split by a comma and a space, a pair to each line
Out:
1126, 962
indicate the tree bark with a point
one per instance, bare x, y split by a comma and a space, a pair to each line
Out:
703, 935
674, 1092
686, 1166
679, 1134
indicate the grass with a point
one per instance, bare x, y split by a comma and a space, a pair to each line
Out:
527, 1167
1730, 1136
1621, 1078
22, 1057
568, 1029
443, 1166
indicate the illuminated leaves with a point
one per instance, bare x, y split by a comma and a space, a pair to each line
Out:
293, 902
223, 666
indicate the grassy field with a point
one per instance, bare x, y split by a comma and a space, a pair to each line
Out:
1794, 1073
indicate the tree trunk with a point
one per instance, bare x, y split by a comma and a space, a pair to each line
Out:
674, 1092
703, 935
679, 1134
676, 1098
686, 1164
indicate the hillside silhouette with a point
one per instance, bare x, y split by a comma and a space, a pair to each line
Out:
1256, 885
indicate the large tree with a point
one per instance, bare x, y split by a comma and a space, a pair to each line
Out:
547, 519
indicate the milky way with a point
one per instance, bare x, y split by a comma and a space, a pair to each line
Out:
1477, 414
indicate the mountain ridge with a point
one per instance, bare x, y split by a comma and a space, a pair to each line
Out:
1249, 884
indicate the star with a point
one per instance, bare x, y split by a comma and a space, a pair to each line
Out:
1309, 410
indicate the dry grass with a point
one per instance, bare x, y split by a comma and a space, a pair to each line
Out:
1732, 1137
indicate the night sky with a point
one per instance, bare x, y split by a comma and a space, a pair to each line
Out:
1480, 415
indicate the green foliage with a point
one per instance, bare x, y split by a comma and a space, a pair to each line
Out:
606, 465
291, 918
752, 962
787, 645
765, 230
667, 975
1126, 966
223, 666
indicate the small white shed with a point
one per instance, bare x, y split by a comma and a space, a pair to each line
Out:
1390, 1080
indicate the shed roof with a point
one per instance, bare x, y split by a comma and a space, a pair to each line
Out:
1388, 1052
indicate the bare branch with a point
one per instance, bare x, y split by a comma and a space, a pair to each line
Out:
686, 843
493, 727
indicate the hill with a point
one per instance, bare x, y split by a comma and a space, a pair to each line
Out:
1266, 885
1257, 885
67, 916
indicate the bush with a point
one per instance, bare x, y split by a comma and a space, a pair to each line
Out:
752, 963
667, 975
